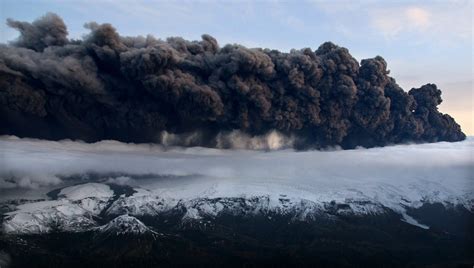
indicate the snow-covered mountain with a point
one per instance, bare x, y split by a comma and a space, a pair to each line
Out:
73, 211
125, 224
78, 208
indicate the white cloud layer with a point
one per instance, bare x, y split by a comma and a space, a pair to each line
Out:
35, 163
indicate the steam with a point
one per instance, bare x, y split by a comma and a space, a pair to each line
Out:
120, 180
236, 139
174, 91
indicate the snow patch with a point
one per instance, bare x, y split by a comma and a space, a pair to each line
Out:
82, 191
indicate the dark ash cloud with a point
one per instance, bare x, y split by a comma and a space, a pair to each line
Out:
133, 89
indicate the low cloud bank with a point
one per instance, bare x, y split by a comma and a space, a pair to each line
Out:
28, 163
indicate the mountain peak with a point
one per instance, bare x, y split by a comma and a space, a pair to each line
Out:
125, 224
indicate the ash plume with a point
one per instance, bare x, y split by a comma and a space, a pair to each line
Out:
134, 89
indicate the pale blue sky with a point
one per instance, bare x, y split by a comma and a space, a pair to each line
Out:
422, 41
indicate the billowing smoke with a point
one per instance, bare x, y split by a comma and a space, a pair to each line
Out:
142, 89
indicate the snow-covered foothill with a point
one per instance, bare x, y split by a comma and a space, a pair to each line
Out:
72, 211
125, 224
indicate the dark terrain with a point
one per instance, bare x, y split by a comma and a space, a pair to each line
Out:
262, 240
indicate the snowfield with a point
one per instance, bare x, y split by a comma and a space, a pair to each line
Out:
205, 183
73, 211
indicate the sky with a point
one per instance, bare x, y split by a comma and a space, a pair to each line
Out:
422, 41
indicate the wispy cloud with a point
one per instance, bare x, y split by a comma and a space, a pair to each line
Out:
418, 16
407, 19
294, 22
431, 21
